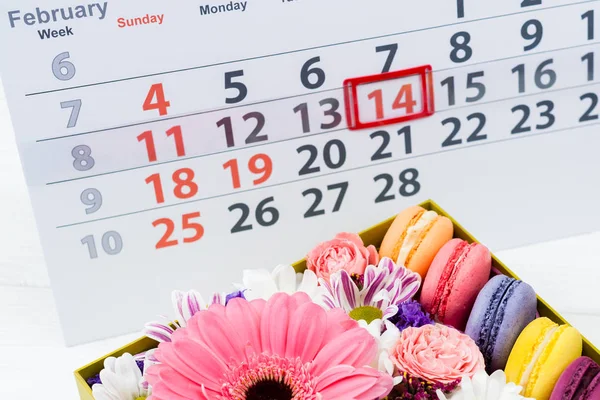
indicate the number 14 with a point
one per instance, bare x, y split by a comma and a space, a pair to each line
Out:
404, 93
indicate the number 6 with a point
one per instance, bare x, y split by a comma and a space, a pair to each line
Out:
307, 71
63, 70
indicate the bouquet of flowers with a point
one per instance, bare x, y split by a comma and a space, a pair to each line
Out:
348, 327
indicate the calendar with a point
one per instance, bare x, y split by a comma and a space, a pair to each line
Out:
170, 145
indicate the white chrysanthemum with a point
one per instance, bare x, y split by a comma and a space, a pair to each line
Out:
121, 380
262, 284
385, 343
484, 387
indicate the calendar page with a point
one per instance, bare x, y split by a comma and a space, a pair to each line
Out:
170, 145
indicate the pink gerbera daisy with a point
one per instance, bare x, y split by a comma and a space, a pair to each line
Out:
286, 348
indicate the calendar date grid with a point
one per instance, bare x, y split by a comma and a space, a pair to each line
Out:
460, 64
267, 213
308, 135
406, 158
460, 15
389, 145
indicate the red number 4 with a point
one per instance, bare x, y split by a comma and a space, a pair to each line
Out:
404, 99
156, 91
166, 241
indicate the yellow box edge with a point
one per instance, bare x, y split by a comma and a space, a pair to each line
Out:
144, 344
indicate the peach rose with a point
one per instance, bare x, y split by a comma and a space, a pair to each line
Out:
437, 353
345, 251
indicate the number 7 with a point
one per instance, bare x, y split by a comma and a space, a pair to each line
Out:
392, 48
76, 107
343, 187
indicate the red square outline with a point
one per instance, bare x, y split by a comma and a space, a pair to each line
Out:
351, 92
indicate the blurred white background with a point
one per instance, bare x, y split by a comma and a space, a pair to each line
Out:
35, 364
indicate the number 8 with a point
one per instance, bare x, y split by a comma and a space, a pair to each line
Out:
462, 45
83, 160
63, 70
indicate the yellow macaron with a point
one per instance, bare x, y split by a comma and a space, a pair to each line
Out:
540, 355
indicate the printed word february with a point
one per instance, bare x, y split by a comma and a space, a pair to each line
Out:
58, 14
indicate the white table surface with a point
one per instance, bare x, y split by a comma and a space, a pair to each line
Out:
34, 364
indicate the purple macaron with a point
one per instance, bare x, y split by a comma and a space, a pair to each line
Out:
580, 381
504, 307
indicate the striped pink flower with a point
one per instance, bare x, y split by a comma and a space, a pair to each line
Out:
185, 304
284, 348
384, 287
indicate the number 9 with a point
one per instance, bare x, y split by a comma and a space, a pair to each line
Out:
63, 70
535, 37
91, 197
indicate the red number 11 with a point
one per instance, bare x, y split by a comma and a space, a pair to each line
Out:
151, 149
404, 93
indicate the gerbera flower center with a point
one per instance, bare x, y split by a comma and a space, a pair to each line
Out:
269, 390
266, 377
368, 313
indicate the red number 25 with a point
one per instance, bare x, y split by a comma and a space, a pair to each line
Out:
186, 224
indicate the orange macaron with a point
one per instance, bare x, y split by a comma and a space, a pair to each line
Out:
415, 237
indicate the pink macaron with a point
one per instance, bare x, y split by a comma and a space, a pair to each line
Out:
457, 274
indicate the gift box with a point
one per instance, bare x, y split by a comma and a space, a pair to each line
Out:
374, 236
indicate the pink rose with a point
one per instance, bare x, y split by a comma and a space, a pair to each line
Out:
437, 353
346, 251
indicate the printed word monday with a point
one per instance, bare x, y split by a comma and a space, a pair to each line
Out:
41, 16
231, 6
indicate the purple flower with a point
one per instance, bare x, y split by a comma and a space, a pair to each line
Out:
140, 364
93, 380
411, 314
235, 295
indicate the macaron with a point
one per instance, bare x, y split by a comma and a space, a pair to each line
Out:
458, 272
542, 352
580, 381
503, 308
415, 237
